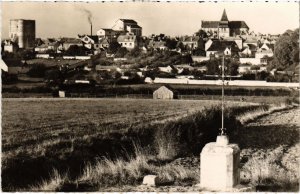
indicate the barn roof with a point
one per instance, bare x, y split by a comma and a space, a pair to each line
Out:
163, 89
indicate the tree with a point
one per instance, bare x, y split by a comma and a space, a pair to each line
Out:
121, 52
113, 47
75, 50
26, 54
202, 34
171, 43
199, 52
37, 70
135, 52
287, 50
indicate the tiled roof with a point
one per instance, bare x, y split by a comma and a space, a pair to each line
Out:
128, 21
71, 40
222, 45
210, 24
238, 24
134, 26
107, 29
231, 24
252, 47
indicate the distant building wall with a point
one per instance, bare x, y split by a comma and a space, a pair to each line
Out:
22, 32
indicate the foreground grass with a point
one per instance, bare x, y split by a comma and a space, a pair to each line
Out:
69, 139
196, 129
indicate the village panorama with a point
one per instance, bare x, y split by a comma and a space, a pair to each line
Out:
140, 107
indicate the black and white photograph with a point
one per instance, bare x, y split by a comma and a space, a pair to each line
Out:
148, 96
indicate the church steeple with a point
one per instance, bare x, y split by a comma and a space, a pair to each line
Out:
224, 16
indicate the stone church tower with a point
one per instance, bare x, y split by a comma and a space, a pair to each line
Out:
223, 29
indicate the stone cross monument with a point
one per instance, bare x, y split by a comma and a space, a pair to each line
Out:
219, 168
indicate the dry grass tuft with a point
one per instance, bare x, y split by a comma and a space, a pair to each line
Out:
55, 182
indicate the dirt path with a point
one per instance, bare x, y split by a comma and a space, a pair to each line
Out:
271, 150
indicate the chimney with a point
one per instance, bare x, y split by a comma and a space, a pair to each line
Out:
91, 29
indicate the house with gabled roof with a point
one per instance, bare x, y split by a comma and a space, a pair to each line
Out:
128, 41
67, 42
190, 42
106, 33
157, 45
222, 47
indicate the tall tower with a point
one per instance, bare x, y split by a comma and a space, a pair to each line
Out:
22, 32
223, 29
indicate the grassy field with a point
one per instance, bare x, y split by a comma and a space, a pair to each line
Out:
73, 135
52, 132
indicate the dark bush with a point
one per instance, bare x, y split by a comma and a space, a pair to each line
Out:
37, 70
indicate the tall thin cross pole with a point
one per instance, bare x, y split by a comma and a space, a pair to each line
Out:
222, 129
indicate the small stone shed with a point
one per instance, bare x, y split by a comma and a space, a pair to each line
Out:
163, 93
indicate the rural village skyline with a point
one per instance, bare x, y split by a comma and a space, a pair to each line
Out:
67, 19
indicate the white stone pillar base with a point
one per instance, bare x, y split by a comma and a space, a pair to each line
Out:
220, 165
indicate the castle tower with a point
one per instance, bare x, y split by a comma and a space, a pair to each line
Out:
223, 30
22, 32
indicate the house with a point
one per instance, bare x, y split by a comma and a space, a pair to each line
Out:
48, 45
237, 40
128, 41
249, 50
199, 59
182, 67
167, 69
163, 93
106, 33
263, 53
224, 27
128, 25
244, 68
10, 46
104, 43
254, 61
248, 40
107, 68
91, 42
157, 45
220, 46
67, 42
202, 69
190, 42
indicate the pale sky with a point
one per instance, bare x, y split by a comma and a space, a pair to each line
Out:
66, 19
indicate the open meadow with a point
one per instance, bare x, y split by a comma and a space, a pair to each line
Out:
64, 140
